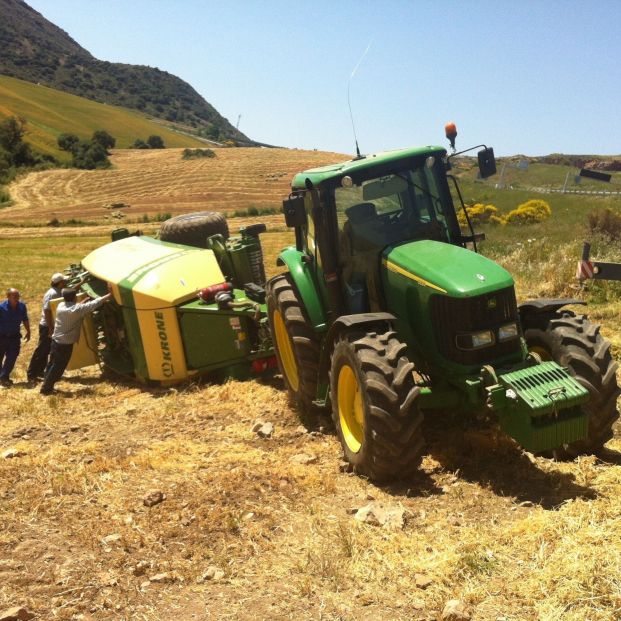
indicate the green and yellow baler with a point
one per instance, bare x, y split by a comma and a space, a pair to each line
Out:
175, 314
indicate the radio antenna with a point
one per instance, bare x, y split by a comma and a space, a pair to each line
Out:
351, 115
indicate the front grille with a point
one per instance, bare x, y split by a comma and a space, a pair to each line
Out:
451, 316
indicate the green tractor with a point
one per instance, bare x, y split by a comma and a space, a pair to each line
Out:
386, 312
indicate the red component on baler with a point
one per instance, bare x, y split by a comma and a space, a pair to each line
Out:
264, 364
208, 294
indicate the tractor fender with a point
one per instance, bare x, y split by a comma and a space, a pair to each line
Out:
343, 324
304, 281
545, 305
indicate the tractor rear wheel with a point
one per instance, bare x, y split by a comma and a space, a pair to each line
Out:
575, 343
193, 229
295, 341
374, 405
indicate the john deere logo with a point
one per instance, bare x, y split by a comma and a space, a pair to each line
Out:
491, 303
481, 277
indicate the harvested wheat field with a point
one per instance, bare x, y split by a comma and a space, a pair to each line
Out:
124, 503
155, 182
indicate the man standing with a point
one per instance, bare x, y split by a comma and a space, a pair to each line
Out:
12, 314
69, 317
40, 356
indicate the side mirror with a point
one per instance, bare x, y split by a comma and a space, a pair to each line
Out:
487, 162
294, 210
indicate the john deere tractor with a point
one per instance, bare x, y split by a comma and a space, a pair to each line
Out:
387, 313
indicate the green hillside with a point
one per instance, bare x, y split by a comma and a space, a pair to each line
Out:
35, 50
49, 112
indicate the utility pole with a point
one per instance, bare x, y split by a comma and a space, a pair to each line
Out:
238, 118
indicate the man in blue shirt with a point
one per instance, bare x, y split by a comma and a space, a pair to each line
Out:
12, 314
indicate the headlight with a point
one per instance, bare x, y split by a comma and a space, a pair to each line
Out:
474, 340
481, 339
510, 331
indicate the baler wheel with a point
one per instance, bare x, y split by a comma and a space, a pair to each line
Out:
193, 229
295, 341
374, 405
575, 343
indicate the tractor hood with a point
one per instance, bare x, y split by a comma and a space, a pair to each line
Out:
447, 269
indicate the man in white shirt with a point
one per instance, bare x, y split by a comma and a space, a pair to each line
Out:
41, 354
69, 317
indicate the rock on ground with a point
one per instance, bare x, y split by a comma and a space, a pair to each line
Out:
153, 498
455, 610
378, 514
16, 614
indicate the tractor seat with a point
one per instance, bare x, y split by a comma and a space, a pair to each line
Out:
362, 212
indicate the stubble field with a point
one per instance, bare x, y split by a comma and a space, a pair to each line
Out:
156, 182
263, 528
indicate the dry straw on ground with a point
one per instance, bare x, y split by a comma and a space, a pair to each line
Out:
248, 530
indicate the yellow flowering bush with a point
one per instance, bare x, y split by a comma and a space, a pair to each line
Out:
530, 212
479, 214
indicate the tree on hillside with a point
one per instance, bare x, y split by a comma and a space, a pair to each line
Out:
15, 151
68, 142
139, 143
104, 139
88, 154
12, 131
155, 142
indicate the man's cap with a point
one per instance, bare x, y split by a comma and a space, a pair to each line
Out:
58, 278
68, 294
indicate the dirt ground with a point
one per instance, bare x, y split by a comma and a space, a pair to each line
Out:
513, 536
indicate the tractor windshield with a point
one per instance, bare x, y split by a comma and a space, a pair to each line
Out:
401, 206
378, 211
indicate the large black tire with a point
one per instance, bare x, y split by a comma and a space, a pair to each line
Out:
295, 341
380, 425
575, 343
193, 229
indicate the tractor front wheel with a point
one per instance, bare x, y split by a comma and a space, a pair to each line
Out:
575, 343
295, 341
374, 405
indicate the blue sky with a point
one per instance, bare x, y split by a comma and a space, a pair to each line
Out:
525, 77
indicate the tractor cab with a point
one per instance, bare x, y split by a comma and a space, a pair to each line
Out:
349, 215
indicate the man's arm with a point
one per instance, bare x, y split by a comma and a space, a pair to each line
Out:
83, 308
49, 321
26, 322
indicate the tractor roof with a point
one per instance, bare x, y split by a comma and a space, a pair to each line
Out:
336, 171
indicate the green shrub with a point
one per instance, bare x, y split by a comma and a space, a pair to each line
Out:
191, 154
155, 142
5, 198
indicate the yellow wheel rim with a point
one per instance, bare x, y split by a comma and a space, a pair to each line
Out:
285, 349
544, 354
351, 409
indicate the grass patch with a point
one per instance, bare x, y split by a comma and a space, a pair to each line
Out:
195, 154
